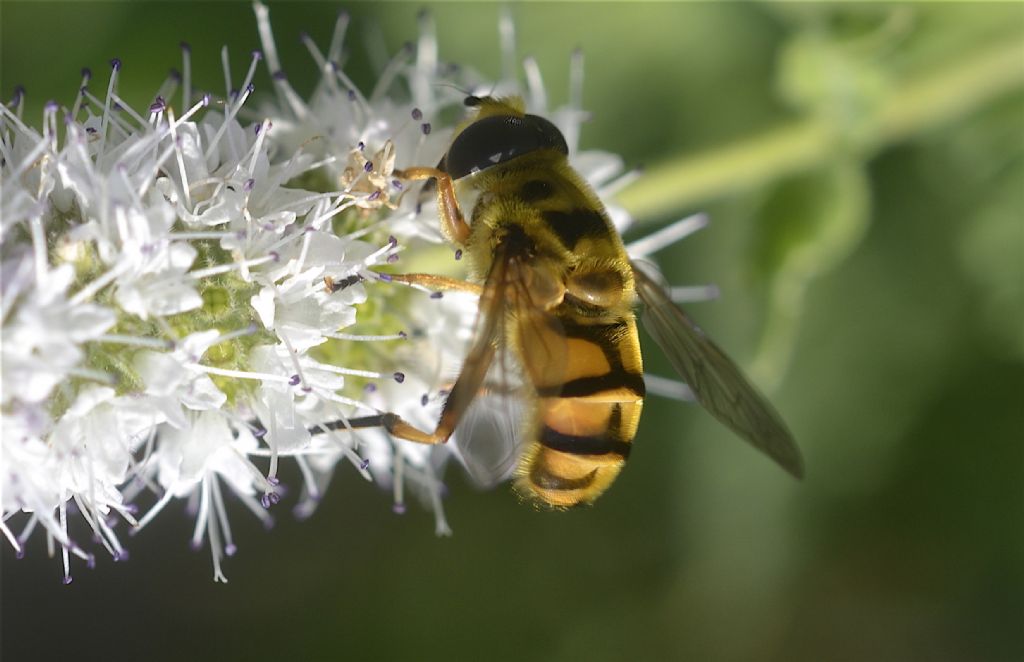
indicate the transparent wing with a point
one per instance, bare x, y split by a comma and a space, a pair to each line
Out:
489, 326
716, 381
489, 438
485, 401
499, 423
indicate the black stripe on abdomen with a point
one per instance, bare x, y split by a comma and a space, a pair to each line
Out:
607, 442
589, 445
545, 480
582, 387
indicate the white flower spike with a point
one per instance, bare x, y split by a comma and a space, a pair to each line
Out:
166, 329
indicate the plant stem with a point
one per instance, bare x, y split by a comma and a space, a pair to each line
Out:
912, 108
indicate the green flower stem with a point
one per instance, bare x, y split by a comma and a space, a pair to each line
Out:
910, 108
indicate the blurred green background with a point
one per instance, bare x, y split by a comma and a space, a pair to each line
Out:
863, 166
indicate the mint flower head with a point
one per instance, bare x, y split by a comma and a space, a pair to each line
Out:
167, 333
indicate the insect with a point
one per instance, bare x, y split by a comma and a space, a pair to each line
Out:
557, 292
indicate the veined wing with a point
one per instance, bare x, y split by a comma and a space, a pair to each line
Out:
485, 401
489, 439
716, 381
499, 423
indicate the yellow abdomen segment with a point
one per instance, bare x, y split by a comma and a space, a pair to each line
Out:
587, 412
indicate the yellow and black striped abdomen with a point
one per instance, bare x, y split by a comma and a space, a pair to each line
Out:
588, 406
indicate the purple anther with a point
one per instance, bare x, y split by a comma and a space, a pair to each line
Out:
369, 388
257, 55
385, 277
275, 498
265, 501
426, 128
250, 87
249, 185
351, 95
280, 75
361, 146
206, 99
257, 128
403, 335
116, 64
392, 240
398, 508
273, 480
368, 166
20, 554
230, 549
67, 580
233, 94
83, 90
437, 295
116, 106
158, 105
86, 73
275, 256
424, 399
399, 377
175, 75
364, 464
90, 129
294, 380
458, 253
392, 258
397, 184
417, 114
185, 47
51, 106
306, 388
373, 196
121, 555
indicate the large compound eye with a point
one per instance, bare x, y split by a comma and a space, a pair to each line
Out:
499, 138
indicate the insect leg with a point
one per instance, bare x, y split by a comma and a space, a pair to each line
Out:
455, 406
474, 368
452, 220
435, 282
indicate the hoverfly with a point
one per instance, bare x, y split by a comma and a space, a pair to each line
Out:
557, 292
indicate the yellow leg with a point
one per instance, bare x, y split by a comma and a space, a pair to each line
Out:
474, 369
434, 282
393, 423
429, 281
452, 221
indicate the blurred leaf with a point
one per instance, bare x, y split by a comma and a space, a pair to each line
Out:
841, 82
808, 225
991, 251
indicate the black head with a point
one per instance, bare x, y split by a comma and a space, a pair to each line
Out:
498, 138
